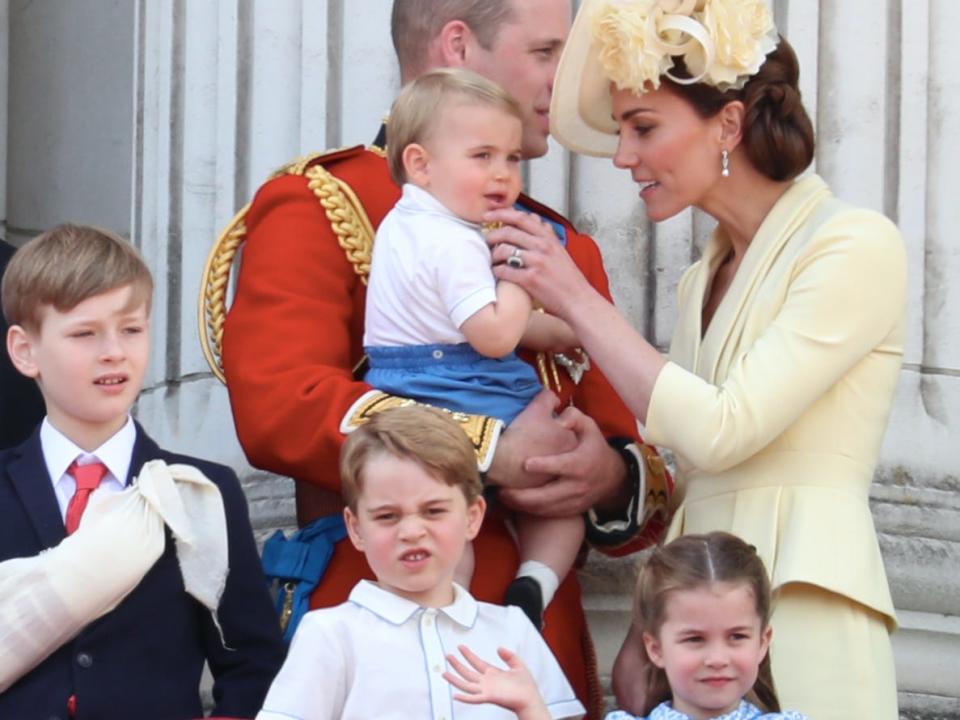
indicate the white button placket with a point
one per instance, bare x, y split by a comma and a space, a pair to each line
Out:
441, 701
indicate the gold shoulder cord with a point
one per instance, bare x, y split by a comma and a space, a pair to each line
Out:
347, 217
212, 308
349, 223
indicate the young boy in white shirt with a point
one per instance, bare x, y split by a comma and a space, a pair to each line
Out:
414, 501
439, 327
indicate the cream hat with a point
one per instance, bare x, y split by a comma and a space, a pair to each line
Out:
632, 43
581, 116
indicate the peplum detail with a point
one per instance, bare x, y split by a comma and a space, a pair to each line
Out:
773, 501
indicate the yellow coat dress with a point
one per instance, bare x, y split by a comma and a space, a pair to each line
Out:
777, 412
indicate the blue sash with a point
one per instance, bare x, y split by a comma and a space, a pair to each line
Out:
296, 564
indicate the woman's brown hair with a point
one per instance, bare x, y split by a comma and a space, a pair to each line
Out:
688, 563
777, 133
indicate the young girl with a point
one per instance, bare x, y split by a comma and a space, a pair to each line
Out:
703, 607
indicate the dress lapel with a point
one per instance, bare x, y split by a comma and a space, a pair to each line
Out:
722, 339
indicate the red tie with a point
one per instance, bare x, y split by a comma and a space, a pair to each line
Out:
88, 479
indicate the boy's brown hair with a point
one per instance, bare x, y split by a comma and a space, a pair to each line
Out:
67, 265
416, 110
420, 433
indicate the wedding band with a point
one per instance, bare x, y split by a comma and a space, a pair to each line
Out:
515, 260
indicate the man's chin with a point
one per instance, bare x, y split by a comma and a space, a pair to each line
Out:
535, 147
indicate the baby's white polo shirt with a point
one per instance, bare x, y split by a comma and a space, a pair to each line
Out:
381, 656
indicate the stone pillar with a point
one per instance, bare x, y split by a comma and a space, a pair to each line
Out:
916, 498
227, 91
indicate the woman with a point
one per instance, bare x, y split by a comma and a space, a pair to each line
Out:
783, 363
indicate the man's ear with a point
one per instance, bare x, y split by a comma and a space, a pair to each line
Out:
654, 651
453, 40
730, 118
416, 164
20, 348
353, 530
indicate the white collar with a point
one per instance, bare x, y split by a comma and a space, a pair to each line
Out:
417, 199
397, 610
116, 453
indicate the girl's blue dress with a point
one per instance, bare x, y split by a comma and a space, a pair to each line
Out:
745, 711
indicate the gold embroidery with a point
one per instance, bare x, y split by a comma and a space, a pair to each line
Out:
480, 429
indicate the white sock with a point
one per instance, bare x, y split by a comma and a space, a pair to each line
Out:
547, 578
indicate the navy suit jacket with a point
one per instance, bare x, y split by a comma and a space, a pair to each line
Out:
144, 659
21, 405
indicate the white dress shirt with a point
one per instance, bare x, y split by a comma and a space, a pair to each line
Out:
59, 452
381, 656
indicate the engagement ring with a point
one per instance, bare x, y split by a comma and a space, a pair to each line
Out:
515, 260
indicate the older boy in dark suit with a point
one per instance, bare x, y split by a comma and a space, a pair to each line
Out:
175, 580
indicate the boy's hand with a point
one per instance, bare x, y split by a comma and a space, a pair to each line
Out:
513, 689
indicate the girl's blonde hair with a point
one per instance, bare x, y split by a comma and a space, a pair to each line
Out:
688, 563
413, 117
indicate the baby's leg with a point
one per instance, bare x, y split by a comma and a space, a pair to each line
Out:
548, 549
463, 573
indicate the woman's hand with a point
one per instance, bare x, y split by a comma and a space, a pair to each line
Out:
629, 669
547, 271
513, 689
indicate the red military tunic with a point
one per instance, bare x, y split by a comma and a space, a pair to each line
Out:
292, 338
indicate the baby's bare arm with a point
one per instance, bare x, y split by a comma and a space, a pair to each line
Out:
547, 333
495, 329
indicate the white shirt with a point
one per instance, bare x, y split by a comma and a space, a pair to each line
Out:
430, 271
59, 452
380, 656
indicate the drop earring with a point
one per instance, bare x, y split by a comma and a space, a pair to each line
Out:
724, 163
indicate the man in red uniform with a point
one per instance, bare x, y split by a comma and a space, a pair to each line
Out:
292, 339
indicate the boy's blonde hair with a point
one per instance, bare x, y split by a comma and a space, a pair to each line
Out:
413, 117
67, 265
423, 434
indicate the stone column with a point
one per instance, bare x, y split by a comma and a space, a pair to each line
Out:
227, 91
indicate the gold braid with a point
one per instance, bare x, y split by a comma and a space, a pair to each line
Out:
213, 291
347, 219
349, 223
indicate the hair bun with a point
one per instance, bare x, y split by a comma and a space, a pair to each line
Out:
778, 134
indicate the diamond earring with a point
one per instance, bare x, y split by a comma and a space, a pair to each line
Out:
724, 163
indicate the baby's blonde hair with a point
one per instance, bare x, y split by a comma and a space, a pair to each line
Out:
413, 117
